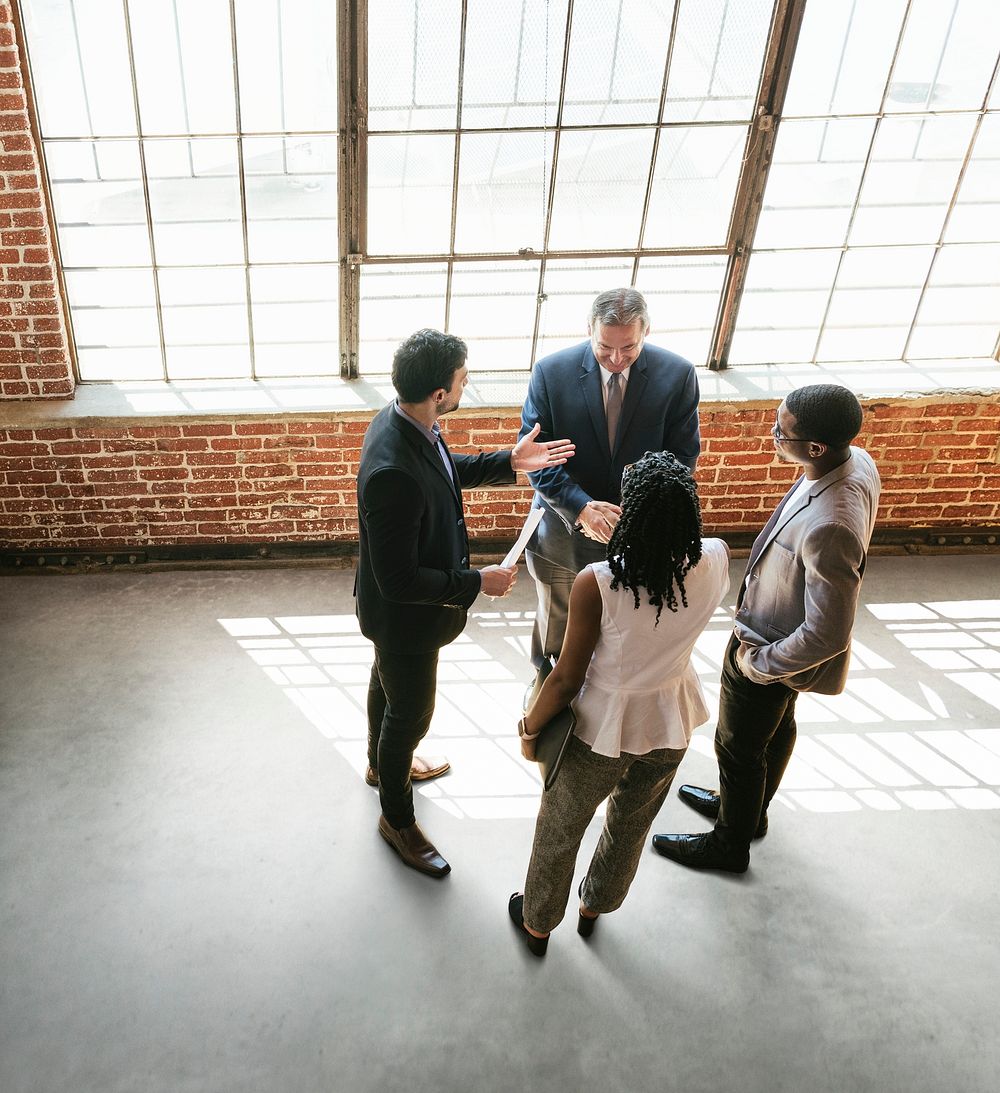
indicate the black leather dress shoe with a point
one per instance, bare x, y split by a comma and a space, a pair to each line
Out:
706, 802
412, 846
700, 852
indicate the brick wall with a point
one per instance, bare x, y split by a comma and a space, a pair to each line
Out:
293, 479
34, 349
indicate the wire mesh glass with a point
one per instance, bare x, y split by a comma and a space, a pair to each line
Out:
493, 310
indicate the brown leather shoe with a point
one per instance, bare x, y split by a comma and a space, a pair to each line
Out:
411, 844
421, 770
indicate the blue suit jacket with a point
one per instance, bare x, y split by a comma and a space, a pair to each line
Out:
659, 413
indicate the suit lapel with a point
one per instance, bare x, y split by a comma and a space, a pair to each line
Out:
426, 451
590, 385
633, 396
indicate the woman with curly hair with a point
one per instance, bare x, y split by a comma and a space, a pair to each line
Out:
626, 667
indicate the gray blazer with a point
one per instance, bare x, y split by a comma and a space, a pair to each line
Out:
796, 608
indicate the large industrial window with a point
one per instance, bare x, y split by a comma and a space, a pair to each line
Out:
264, 188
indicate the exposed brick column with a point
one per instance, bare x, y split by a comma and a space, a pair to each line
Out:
35, 357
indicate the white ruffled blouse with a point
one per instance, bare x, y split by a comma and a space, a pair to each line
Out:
641, 691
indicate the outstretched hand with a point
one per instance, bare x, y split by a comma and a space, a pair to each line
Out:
530, 455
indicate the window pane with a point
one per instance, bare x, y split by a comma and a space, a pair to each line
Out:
502, 187
568, 291
205, 323
843, 56
873, 303
114, 324
288, 65
291, 193
976, 216
295, 320
395, 302
960, 313
409, 194
783, 305
99, 206
946, 56
616, 59
413, 64
911, 179
184, 66
513, 63
694, 184
194, 196
79, 63
493, 309
717, 60
813, 182
683, 298
600, 189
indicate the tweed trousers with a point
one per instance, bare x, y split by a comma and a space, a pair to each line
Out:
638, 786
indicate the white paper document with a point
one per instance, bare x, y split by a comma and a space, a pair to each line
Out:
534, 519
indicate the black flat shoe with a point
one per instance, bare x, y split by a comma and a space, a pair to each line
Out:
706, 803
585, 926
515, 908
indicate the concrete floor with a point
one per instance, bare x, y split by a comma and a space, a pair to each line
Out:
194, 895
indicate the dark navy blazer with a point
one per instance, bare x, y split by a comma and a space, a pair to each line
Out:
414, 584
659, 413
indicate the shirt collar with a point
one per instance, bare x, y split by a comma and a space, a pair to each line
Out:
432, 435
606, 375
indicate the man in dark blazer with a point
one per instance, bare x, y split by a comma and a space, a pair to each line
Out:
414, 584
618, 398
794, 617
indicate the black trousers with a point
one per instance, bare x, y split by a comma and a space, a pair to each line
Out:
401, 695
753, 743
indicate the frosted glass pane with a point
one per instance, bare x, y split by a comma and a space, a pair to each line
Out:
976, 216
295, 320
844, 52
114, 324
413, 64
616, 59
960, 313
396, 301
568, 292
694, 184
288, 64
493, 310
184, 66
911, 178
409, 194
291, 195
99, 205
683, 298
873, 304
80, 70
782, 307
946, 56
194, 197
513, 63
813, 182
502, 187
600, 188
717, 60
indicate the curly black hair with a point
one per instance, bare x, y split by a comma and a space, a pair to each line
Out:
657, 541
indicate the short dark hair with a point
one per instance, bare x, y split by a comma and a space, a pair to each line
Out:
619, 307
426, 361
658, 538
825, 412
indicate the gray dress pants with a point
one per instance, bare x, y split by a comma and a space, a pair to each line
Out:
638, 786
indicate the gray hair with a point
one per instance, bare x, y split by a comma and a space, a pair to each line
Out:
619, 307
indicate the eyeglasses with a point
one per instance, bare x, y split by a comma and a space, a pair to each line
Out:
780, 437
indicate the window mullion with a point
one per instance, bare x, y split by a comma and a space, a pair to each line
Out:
352, 149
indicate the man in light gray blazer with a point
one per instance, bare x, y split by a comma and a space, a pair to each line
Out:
794, 618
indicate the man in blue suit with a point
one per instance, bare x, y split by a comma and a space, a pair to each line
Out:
618, 398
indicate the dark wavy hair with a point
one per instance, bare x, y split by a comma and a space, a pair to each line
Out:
425, 362
657, 541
